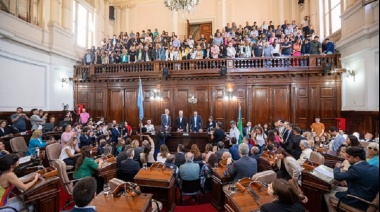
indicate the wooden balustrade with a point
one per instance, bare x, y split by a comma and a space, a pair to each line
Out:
211, 66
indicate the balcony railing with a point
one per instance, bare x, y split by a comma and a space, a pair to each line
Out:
210, 67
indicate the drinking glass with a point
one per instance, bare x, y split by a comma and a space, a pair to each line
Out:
232, 189
106, 189
145, 165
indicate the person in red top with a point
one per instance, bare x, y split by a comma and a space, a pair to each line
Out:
127, 131
83, 117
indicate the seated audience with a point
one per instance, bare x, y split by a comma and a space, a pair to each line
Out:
86, 138
351, 141
170, 163
287, 165
196, 152
86, 165
68, 152
362, 180
345, 164
9, 180
255, 152
3, 151
225, 157
36, 141
189, 171
368, 137
221, 150
206, 172
138, 150
306, 151
122, 156
67, 134
180, 156
4, 131
120, 145
130, 166
163, 154
286, 197
244, 167
208, 151
373, 154
83, 193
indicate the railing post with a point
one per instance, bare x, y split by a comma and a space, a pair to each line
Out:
156, 66
312, 60
92, 69
230, 63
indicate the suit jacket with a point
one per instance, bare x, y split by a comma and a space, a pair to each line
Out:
194, 127
249, 129
130, 166
120, 157
88, 209
115, 134
181, 125
234, 150
165, 121
6, 132
138, 151
294, 146
179, 159
362, 181
244, 167
86, 141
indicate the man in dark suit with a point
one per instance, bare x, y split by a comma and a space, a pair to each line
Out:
181, 122
234, 150
138, 149
218, 134
244, 167
180, 156
196, 123
362, 180
165, 120
294, 145
221, 150
130, 167
86, 138
83, 193
247, 130
288, 135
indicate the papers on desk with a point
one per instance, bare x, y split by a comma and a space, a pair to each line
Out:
185, 134
324, 173
24, 159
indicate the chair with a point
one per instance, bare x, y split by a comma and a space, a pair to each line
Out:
52, 153
67, 184
265, 176
373, 206
189, 188
18, 146
7, 208
364, 144
127, 177
317, 158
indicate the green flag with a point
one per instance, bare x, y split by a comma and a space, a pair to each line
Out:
240, 126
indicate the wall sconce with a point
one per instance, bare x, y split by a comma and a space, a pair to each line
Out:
229, 95
351, 73
156, 95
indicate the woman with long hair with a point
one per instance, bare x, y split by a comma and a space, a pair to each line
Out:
208, 151
147, 155
288, 166
163, 154
120, 145
197, 154
9, 180
206, 172
287, 197
36, 141
68, 152
86, 165
259, 137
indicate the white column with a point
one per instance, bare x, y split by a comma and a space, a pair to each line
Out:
106, 18
175, 22
123, 19
116, 29
224, 13
127, 19
67, 16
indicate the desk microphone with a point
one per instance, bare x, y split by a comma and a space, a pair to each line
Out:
133, 187
33, 167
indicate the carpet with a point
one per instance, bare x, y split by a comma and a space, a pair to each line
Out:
63, 197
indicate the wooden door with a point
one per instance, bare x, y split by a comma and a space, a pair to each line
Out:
206, 30
116, 105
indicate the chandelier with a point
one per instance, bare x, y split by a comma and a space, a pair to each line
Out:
185, 5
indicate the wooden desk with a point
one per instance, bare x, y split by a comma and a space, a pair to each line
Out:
44, 194
218, 181
122, 203
159, 183
266, 163
314, 188
23, 169
108, 171
331, 160
243, 201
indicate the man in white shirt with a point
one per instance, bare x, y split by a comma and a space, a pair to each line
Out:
149, 126
234, 131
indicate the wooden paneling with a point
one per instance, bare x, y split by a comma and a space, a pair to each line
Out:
116, 104
131, 110
261, 104
362, 122
301, 107
280, 103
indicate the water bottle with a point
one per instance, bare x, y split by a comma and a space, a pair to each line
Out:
37, 152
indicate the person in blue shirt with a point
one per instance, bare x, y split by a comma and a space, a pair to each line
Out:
338, 140
372, 153
36, 141
328, 46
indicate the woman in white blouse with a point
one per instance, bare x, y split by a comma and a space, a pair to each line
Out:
288, 166
68, 152
163, 154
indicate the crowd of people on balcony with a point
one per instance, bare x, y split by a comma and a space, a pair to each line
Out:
232, 41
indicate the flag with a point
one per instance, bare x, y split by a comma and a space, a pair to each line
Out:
240, 126
140, 101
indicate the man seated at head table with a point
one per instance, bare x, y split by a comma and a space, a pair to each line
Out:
83, 193
244, 167
362, 180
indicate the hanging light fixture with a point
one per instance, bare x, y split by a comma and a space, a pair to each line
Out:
184, 5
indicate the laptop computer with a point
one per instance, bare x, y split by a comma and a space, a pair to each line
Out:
48, 127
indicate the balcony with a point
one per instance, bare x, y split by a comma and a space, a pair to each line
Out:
255, 66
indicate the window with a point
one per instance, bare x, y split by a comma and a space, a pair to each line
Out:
330, 11
83, 24
26, 10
